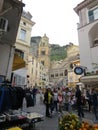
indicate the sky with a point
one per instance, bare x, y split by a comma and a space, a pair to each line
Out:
55, 18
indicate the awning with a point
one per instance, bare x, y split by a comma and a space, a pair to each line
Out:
18, 62
89, 79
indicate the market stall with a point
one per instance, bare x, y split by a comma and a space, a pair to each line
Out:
11, 112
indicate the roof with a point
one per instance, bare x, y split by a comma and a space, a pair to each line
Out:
82, 5
26, 15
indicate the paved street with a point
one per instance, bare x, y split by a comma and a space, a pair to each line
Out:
50, 123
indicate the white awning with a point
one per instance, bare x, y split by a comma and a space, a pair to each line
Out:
89, 79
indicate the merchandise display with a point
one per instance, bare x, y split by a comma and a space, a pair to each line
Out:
11, 114
72, 122
34, 115
2, 118
19, 118
15, 115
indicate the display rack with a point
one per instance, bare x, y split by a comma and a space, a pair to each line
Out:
23, 120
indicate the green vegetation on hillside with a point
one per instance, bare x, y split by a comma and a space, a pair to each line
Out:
58, 52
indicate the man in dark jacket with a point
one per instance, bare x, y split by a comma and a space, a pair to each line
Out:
34, 92
94, 98
79, 101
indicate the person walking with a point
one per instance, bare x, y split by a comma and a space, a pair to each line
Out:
47, 101
55, 99
34, 92
88, 98
94, 98
60, 101
79, 102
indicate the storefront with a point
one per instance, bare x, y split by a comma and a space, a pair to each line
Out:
19, 74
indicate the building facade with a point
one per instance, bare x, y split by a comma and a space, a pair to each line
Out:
88, 37
22, 48
62, 72
8, 33
40, 51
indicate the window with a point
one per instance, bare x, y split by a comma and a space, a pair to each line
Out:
65, 72
42, 62
24, 23
56, 75
42, 52
32, 70
95, 42
61, 74
93, 15
20, 53
96, 14
43, 43
52, 75
22, 34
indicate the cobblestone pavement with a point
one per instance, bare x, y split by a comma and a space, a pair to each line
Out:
51, 123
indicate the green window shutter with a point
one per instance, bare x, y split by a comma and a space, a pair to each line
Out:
90, 13
91, 16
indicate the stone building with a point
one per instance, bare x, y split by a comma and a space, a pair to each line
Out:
40, 51
10, 15
62, 72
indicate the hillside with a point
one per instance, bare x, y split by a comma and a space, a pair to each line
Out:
58, 52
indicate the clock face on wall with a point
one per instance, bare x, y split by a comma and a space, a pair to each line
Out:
78, 70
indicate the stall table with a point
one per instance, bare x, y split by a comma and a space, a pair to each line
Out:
34, 117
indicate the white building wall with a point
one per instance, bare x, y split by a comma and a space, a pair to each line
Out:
6, 56
94, 53
83, 17
88, 55
85, 57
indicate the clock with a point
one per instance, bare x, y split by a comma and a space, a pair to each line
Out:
78, 70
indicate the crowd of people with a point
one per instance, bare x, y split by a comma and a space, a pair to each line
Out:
63, 98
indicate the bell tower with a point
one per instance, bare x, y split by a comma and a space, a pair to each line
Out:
44, 52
